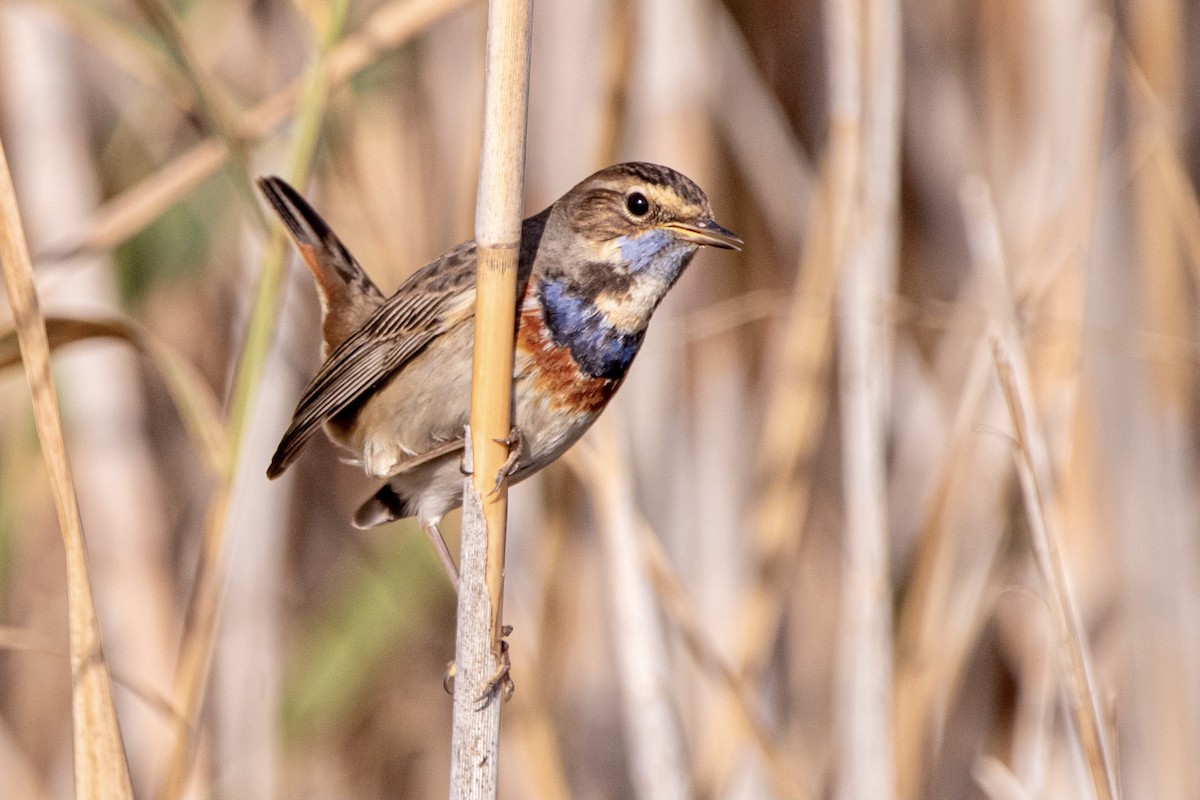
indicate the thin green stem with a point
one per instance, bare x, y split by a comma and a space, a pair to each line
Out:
195, 657
263, 316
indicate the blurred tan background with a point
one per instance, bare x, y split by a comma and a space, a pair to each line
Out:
847, 601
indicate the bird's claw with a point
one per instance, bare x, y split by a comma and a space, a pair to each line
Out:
513, 443
501, 683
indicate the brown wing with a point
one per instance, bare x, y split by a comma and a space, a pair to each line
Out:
436, 298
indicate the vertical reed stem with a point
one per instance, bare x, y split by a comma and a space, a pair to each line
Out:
478, 650
101, 770
864, 51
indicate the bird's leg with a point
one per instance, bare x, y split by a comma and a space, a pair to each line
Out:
443, 553
501, 683
513, 443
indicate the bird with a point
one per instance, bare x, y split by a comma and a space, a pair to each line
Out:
394, 388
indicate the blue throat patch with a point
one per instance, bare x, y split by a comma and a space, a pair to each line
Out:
653, 252
600, 350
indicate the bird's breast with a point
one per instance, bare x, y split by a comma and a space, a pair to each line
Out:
602, 344
551, 371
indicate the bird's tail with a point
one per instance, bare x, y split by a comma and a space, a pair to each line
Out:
348, 295
386, 505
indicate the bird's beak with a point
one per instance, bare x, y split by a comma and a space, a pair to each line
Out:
706, 232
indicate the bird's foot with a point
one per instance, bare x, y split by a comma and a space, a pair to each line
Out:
513, 443
501, 683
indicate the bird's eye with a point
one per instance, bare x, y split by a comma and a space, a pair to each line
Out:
637, 204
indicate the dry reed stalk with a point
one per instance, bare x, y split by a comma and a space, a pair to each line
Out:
195, 651
1157, 42
680, 610
790, 199
1161, 155
654, 740
117, 479
1148, 443
101, 771
531, 719
197, 405
1084, 163
1050, 275
246, 744
531, 722
195, 658
1085, 702
29, 641
796, 409
1035, 472
864, 57
921, 631
931, 648
252, 504
137, 206
532, 727
479, 647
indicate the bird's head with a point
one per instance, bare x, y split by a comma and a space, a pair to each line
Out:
626, 205
636, 223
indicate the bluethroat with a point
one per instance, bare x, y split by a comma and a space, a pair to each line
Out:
395, 385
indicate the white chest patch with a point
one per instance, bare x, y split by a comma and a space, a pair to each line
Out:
630, 310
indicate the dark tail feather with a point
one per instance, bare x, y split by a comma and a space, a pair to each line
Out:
385, 506
348, 295
284, 456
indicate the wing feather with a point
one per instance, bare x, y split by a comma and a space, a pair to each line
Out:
434, 300
394, 334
